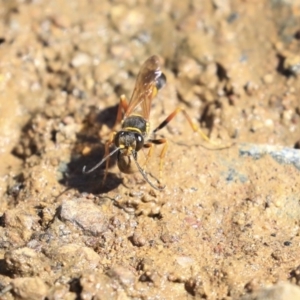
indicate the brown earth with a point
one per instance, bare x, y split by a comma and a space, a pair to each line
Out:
227, 224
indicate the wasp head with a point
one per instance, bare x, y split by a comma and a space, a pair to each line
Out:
129, 142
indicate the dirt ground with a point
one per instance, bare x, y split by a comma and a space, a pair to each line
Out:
226, 226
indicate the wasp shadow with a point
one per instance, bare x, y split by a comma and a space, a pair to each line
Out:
88, 150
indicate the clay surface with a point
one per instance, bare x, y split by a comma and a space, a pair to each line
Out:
226, 226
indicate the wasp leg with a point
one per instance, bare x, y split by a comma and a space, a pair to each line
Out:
108, 143
194, 126
150, 152
122, 108
162, 153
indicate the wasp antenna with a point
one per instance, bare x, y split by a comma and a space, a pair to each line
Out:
99, 163
144, 174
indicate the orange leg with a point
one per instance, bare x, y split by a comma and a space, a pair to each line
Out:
194, 126
162, 153
123, 105
150, 152
106, 157
107, 154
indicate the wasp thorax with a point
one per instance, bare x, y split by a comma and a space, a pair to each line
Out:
129, 139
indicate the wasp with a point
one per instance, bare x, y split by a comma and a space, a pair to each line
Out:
135, 127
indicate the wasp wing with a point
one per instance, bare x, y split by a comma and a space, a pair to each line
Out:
150, 79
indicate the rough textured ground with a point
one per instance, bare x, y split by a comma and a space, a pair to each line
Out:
227, 224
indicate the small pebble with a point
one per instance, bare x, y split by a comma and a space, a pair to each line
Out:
80, 59
268, 78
